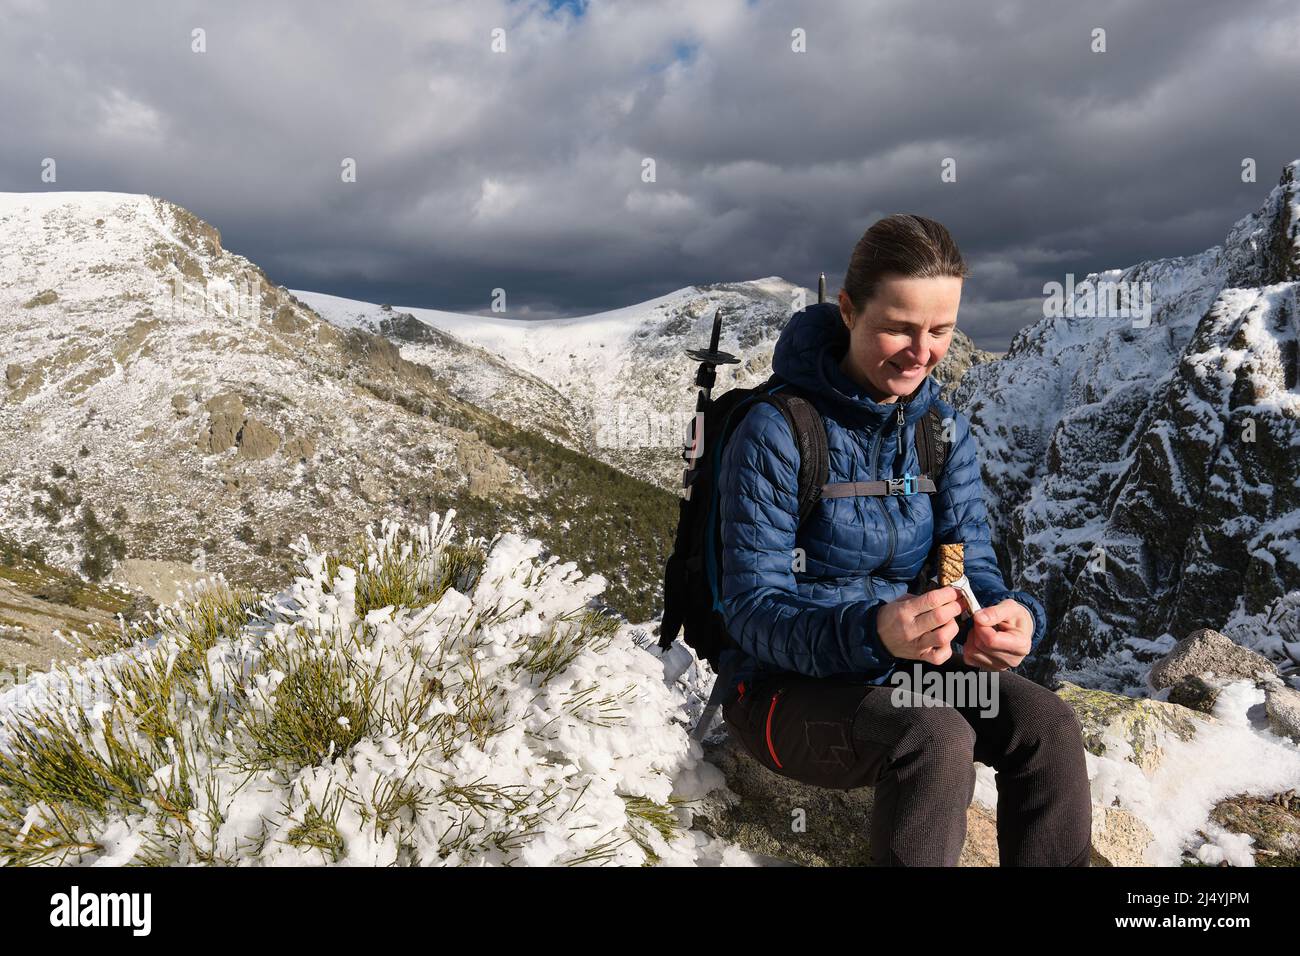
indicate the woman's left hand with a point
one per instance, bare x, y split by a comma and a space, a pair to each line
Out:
1000, 636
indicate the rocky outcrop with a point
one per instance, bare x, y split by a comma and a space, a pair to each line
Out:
256, 441
1128, 728
225, 419
1140, 470
961, 357
230, 426
299, 448
1206, 652
45, 297
487, 474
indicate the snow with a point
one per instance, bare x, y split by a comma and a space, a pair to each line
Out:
1227, 758
551, 779
528, 343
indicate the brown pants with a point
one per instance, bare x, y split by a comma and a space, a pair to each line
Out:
920, 759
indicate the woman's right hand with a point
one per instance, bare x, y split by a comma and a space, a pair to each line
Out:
920, 626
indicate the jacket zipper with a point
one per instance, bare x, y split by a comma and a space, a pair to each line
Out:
889, 522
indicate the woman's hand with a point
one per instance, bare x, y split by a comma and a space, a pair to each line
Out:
1000, 636
921, 626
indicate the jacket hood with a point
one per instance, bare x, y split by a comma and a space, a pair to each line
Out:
808, 354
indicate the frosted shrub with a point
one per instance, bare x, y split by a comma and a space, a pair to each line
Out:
412, 700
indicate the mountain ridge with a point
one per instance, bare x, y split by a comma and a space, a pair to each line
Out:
164, 400
1143, 479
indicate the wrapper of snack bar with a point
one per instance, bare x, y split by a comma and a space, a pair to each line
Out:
952, 572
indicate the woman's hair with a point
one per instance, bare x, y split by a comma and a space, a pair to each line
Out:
902, 244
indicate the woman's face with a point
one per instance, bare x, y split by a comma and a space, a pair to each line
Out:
901, 333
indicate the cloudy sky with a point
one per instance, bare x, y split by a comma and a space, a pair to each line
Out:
523, 169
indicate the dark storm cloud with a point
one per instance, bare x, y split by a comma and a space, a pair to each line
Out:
522, 170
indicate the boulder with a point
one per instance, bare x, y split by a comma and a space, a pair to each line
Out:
1206, 651
1128, 728
766, 813
256, 441
1272, 822
1119, 837
1282, 703
1194, 693
225, 418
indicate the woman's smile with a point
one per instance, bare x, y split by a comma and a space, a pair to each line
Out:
913, 371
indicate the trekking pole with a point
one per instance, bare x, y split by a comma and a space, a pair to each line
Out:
705, 376
692, 454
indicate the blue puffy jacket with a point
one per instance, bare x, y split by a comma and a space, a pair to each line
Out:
858, 553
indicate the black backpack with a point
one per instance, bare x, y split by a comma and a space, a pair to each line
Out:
691, 590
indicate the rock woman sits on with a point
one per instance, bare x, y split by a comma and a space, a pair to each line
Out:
830, 625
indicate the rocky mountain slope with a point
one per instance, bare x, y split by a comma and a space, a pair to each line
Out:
161, 399
618, 381
1144, 480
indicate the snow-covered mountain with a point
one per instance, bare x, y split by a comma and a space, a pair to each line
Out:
1144, 478
160, 398
620, 381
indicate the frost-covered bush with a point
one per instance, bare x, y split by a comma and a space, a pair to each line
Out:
411, 701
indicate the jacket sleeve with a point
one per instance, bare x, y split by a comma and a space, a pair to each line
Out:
962, 516
759, 512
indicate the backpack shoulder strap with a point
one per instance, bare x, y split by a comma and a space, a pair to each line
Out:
809, 433
931, 449
931, 456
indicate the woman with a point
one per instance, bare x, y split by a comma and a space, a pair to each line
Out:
821, 613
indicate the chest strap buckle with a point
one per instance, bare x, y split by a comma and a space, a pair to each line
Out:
902, 486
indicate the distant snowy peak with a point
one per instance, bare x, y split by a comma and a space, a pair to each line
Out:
535, 344
622, 377
619, 381
1141, 469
